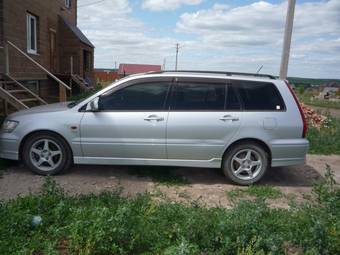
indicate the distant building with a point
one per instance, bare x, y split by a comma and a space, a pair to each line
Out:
128, 69
105, 74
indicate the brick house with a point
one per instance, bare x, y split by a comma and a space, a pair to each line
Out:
128, 69
43, 50
105, 74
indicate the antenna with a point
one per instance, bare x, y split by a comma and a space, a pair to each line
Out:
258, 70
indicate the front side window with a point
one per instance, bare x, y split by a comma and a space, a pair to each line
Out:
232, 102
32, 34
259, 96
144, 96
198, 96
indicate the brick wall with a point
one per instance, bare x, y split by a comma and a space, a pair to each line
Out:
14, 30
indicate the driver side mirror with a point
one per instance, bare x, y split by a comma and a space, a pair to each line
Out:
93, 105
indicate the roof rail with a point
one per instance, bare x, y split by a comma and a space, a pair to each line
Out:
216, 72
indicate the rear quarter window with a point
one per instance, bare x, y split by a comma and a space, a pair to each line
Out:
259, 96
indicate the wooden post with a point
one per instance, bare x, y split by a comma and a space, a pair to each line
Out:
6, 58
71, 64
5, 104
62, 93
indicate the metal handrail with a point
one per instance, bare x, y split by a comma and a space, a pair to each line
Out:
26, 89
40, 66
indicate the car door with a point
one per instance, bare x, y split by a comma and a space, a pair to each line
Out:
204, 116
130, 123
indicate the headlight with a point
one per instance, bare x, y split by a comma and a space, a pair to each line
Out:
9, 125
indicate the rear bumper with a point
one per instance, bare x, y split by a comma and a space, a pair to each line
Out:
288, 152
9, 146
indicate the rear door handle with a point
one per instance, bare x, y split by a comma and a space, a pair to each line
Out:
154, 117
229, 117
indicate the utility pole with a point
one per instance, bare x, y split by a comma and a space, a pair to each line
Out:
287, 39
177, 48
164, 62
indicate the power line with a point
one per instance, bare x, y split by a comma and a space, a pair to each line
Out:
89, 4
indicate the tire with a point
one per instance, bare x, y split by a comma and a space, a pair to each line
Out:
243, 168
52, 159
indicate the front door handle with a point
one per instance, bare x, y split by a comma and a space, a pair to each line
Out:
229, 117
154, 117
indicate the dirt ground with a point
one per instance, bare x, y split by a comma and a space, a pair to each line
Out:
205, 186
333, 112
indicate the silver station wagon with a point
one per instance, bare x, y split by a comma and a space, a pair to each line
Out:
242, 123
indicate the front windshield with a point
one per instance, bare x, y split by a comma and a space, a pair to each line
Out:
76, 102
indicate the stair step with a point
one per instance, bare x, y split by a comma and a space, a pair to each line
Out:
28, 99
7, 82
13, 91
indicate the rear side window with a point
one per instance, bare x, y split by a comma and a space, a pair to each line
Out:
259, 96
198, 96
144, 96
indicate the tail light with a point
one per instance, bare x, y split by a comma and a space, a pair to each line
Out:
304, 121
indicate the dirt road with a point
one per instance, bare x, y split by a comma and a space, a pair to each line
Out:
333, 112
205, 186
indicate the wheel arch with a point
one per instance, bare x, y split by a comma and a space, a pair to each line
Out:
40, 131
250, 140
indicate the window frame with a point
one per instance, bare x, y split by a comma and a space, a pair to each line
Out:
232, 83
68, 4
29, 17
35, 83
136, 82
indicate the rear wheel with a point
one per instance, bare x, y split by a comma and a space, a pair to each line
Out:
245, 163
46, 154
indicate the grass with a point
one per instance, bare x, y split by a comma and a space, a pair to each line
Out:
161, 175
255, 191
325, 140
110, 224
306, 98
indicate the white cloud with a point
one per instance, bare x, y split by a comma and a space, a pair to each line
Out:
257, 29
222, 37
118, 37
165, 5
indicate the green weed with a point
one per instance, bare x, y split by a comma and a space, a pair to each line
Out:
110, 224
255, 191
325, 140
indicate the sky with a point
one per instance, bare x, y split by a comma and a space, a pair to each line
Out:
229, 35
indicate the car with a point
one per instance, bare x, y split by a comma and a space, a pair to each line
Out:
239, 122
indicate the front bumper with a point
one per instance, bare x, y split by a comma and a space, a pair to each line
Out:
288, 152
9, 146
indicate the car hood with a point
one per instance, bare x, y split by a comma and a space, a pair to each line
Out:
57, 107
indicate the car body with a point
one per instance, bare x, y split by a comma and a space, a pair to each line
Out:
190, 119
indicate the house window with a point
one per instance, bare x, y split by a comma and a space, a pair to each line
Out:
32, 34
33, 86
68, 3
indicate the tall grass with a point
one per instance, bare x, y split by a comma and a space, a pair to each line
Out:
325, 140
110, 224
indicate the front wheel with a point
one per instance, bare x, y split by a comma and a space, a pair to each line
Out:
46, 154
245, 163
